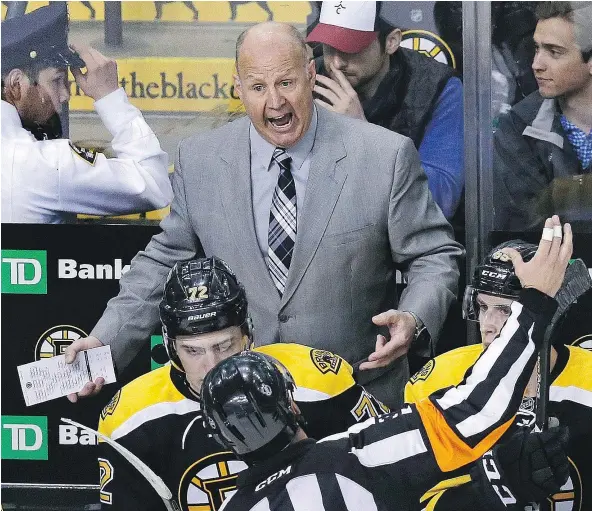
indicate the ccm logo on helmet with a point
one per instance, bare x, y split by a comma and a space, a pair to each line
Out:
205, 315
494, 274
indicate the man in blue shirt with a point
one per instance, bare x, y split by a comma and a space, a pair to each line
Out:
543, 147
366, 74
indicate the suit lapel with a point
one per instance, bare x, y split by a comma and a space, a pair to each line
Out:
237, 199
322, 191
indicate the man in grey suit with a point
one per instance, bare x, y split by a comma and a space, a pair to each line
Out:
314, 211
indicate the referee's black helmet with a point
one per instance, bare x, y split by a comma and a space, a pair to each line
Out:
247, 402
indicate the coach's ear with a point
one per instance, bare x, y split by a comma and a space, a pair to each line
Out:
238, 88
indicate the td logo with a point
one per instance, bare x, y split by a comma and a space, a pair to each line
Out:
24, 272
24, 438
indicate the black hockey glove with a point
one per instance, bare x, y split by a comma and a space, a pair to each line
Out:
527, 468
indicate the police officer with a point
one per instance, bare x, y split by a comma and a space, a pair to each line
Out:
49, 181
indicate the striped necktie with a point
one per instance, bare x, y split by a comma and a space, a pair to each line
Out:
282, 222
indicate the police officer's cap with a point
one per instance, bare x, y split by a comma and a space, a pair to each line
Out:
38, 37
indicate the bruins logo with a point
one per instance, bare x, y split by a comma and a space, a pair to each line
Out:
424, 372
325, 361
207, 482
53, 342
429, 44
569, 497
111, 405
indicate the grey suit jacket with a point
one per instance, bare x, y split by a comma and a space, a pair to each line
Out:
367, 211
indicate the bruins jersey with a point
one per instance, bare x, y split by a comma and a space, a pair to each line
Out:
157, 419
570, 400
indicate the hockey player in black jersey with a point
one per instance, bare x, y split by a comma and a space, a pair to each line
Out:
389, 461
158, 417
488, 300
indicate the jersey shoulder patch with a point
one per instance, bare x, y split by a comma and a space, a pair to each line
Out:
111, 405
88, 155
325, 361
424, 372
319, 371
441, 372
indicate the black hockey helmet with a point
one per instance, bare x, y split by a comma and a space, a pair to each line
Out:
247, 402
496, 276
201, 296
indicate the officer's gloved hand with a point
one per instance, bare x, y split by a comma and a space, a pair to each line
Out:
527, 468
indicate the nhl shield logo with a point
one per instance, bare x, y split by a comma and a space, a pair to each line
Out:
325, 361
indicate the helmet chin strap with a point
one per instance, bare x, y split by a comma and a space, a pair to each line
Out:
193, 392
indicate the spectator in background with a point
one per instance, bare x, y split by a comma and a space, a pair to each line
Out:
543, 146
49, 181
513, 25
314, 211
364, 73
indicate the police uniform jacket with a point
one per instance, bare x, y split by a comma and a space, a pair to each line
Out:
570, 400
50, 181
156, 417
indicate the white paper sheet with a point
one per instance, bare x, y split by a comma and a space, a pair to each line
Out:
51, 378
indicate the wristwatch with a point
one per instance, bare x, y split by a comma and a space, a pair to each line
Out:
420, 328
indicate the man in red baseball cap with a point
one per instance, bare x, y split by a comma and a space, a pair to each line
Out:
365, 73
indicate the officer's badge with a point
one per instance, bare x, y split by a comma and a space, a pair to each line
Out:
424, 372
111, 405
325, 361
88, 155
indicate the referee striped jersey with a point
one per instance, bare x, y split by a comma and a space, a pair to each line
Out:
388, 462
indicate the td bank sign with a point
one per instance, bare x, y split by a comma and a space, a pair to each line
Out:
24, 437
25, 271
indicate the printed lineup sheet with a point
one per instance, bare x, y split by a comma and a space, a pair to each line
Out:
51, 378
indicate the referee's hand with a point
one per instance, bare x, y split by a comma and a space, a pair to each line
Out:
546, 270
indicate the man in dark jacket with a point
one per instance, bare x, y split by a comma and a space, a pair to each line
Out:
366, 74
543, 147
